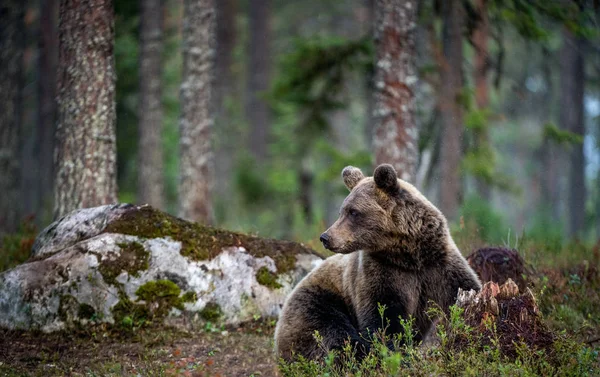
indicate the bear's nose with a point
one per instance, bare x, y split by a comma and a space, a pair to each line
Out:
325, 240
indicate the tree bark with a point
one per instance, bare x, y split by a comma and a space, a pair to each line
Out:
46, 125
11, 61
226, 90
196, 121
480, 74
259, 77
226, 39
396, 132
450, 107
150, 152
572, 119
85, 153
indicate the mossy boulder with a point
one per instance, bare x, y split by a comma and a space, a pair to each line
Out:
130, 265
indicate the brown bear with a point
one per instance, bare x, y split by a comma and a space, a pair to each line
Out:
394, 249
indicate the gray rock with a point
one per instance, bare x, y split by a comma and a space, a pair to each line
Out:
80, 273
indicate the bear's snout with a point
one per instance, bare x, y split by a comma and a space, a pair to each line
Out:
325, 240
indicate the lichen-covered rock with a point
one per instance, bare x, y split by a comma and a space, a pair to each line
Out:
130, 265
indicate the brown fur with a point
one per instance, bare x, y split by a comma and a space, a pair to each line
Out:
394, 249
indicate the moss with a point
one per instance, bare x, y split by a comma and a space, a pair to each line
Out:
132, 258
267, 278
200, 242
211, 312
67, 308
128, 313
189, 297
86, 311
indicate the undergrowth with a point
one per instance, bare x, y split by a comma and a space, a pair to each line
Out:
459, 350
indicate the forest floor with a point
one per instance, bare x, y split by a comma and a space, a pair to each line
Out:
243, 351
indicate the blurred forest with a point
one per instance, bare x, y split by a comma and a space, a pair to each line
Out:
504, 108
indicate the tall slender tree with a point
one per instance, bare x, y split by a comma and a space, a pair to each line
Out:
197, 117
450, 107
11, 60
226, 89
150, 152
396, 132
85, 153
46, 124
571, 116
226, 39
259, 76
481, 67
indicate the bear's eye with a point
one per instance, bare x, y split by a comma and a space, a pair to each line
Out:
353, 213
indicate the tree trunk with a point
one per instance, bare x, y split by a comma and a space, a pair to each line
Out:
226, 90
396, 132
196, 111
450, 107
259, 77
150, 152
571, 118
226, 39
46, 125
11, 61
85, 154
480, 73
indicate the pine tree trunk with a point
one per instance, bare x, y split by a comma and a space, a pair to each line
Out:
11, 61
571, 118
150, 151
196, 111
226, 39
480, 73
46, 125
396, 132
85, 153
450, 107
259, 76
226, 90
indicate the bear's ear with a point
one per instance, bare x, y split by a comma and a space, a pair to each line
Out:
386, 179
351, 176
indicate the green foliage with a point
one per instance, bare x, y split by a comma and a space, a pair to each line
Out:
314, 78
555, 134
477, 216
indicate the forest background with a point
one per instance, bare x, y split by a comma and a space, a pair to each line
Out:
506, 109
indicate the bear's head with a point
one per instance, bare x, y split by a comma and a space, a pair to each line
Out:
384, 213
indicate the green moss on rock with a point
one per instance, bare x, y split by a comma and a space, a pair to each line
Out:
211, 312
200, 242
67, 308
189, 297
132, 258
128, 313
267, 278
163, 292
86, 311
